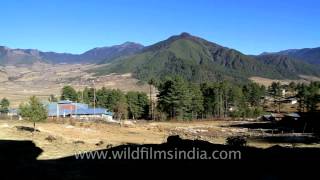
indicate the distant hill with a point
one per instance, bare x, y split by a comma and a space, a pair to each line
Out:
197, 60
18, 56
310, 55
107, 54
97, 55
284, 64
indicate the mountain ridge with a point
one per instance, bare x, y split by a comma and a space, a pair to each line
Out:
10, 56
194, 58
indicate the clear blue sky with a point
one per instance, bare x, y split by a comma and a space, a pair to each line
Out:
251, 26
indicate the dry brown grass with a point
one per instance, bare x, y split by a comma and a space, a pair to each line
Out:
268, 82
100, 135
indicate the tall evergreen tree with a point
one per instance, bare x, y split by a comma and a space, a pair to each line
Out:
275, 91
174, 98
196, 101
69, 93
138, 105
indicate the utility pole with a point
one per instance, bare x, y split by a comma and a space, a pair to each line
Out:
151, 102
82, 96
58, 114
151, 83
75, 114
94, 99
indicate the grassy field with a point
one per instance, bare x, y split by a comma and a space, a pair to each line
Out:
74, 136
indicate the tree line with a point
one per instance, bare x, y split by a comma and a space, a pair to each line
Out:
176, 99
181, 99
133, 105
307, 95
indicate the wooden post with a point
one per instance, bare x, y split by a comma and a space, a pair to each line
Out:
304, 128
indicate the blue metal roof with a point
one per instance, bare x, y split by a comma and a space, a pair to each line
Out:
65, 102
90, 111
81, 105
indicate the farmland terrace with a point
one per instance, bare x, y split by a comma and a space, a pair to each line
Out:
18, 83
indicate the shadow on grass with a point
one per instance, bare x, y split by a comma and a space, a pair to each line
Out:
19, 159
287, 139
307, 123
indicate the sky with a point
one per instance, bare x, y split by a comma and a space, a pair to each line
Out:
75, 26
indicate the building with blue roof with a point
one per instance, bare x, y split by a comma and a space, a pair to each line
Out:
77, 110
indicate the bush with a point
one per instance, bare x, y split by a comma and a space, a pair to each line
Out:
236, 141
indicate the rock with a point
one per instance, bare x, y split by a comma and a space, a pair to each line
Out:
99, 143
128, 123
25, 128
50, 138
78, 142
109, 146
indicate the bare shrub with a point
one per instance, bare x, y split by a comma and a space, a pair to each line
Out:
50, 138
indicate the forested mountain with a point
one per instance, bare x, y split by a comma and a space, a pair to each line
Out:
286, 65
97, 55
191, 57
199, 60
310, 55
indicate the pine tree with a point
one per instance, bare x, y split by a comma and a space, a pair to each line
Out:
275, 92
34, 111
174, 98
68, 93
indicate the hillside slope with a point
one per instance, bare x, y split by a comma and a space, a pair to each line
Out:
309, 55
286, 65
195, 59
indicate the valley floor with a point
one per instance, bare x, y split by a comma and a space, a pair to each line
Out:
74, 136
18, 83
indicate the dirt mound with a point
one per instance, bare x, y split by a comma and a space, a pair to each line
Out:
27, 129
